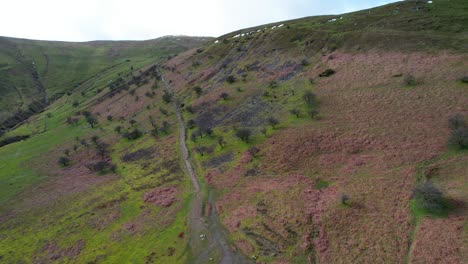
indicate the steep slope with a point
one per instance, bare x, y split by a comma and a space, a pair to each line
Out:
33, 73
381, 125
307, 138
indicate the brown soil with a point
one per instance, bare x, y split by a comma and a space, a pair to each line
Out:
164, 196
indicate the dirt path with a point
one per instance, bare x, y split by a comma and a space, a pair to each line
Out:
208, 238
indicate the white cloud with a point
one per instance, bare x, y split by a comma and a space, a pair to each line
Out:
144, 19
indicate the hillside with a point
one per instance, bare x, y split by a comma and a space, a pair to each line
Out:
35, 73
331, 139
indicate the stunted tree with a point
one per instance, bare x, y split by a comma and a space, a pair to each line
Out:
428, 197
224, 96
295, 112
456, 121
198, 90
221, 141
273, 122
167, 97
64, 161
309, 98
244, 134
92, 120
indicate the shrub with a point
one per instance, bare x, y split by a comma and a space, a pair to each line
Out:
409, 80
132, 135
305, 62
459, 137
273, 122
243, 134
92, 121
167, 97
72, 120
189, 109
102, 149
118, 129
327, 73
264, 131
109, 118
253, 151
198, 90
428, 197
224, 96
464, 79
191, 124
231, 79
295, 112
273, 84
456, 121
163, 111
101, 166
221, 141
64, 161
313, 113
132, 122
344, 199
309, 98
75, 103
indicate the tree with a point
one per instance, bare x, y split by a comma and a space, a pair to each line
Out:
224, 96
296, 112
273, 122
231, 79
309, 98
221, 141
92, 121
459, 138
167, 97
456, 121
198, 90
243, 134
64, 161
344, 199
428, 197
313, 113
191, 124
132, 135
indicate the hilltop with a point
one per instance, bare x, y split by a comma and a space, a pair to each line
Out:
313, 140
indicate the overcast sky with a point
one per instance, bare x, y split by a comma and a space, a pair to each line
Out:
83, 20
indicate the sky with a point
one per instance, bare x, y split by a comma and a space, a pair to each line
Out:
85, 20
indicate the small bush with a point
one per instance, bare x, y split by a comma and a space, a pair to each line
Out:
344, 199
409, 80
221, 141
132, 135
244, 134
273, 84
118, 129
198, 90
264, 131
295, 112
191, 124
109, 118
309, 98
313, 113
464, 79
75, 103
101, 167
64, 161
92, 121
167, 97
428, 197
456, 121
189, 109
273, 122
305, 62
224, 96
231, 79
459, 138
327, 73
163, 111
254, 151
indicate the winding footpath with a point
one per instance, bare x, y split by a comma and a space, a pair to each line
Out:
208, 238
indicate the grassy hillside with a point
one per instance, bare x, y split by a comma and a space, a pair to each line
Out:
308, 138
42, 71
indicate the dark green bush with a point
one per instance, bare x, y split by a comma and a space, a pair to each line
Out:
327, 73
244, 134
428, 197
64, 161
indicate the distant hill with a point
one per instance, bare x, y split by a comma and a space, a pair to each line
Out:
35, 73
